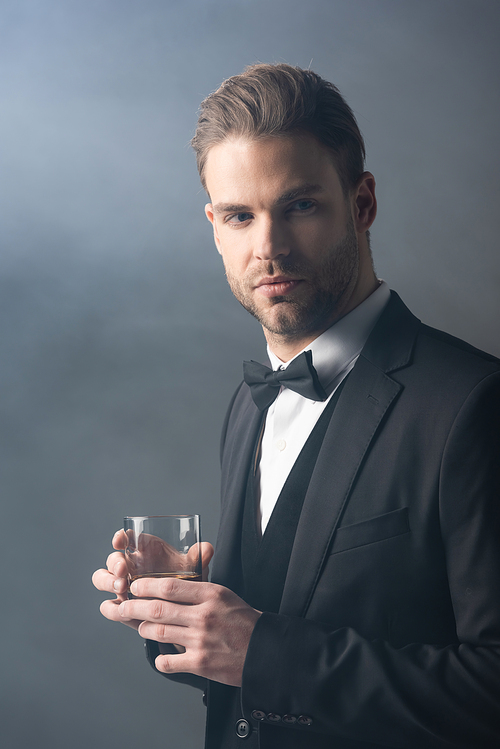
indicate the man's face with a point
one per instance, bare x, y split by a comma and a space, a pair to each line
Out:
285, 232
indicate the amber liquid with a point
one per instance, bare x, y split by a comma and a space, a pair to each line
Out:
195, 576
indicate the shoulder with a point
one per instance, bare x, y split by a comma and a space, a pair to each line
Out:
452, 365
400, 340
437, 372
447, 345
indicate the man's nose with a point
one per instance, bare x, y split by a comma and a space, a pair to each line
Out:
271, 240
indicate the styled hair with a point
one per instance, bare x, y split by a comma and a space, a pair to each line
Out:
272, 100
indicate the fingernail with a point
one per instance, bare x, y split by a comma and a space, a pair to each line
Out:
118, 584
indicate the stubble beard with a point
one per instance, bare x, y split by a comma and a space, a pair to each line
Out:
330, 286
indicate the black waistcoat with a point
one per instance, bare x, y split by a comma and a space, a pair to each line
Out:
265, 563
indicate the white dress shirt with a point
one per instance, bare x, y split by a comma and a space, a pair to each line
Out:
291, 418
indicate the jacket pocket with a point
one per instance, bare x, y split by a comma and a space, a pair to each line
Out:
370, 531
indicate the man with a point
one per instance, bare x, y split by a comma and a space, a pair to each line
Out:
355, 594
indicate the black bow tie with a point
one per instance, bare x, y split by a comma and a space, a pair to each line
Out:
300, 376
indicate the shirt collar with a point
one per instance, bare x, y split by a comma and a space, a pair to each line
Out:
335, 349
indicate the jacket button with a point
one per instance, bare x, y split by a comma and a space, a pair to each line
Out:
258, 715
289, 719
243, 729
304, 720
274, 717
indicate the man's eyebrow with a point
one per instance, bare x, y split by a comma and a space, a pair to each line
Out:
297, 192
221, 208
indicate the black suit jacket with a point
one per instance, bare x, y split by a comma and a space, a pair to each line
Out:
389, 628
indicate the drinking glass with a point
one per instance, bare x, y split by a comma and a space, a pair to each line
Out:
163, 546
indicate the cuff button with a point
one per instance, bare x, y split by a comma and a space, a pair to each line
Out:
258, 715
274, 717
304, 720
290, 719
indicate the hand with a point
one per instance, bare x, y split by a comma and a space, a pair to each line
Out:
114, 578
211, 622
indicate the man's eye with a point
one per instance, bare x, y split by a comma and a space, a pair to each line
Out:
238, 218
302, 205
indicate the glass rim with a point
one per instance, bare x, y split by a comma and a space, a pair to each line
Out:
146, 517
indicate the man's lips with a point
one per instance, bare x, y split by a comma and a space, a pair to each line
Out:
277, 285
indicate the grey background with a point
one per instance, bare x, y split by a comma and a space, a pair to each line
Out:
114, 303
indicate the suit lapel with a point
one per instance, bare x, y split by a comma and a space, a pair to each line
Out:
368, 394
239, 448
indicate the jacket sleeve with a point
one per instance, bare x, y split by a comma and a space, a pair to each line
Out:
419, 695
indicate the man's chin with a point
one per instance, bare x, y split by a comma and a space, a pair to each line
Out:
291, 321
283, 316
287, 323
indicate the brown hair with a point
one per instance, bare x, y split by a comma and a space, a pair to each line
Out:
271, 100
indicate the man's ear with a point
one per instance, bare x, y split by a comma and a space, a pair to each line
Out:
365, 202
210, 215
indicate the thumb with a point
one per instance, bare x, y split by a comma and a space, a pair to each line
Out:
207, 552
200, 552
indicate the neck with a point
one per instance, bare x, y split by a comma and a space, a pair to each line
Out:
286, 348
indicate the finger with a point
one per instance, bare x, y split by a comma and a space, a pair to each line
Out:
202, 551
182, 636
106, 581
120, 540
116, 564
172, 589
175, 663
199, 556
157, 612
207, 552
111, 610
193, 556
